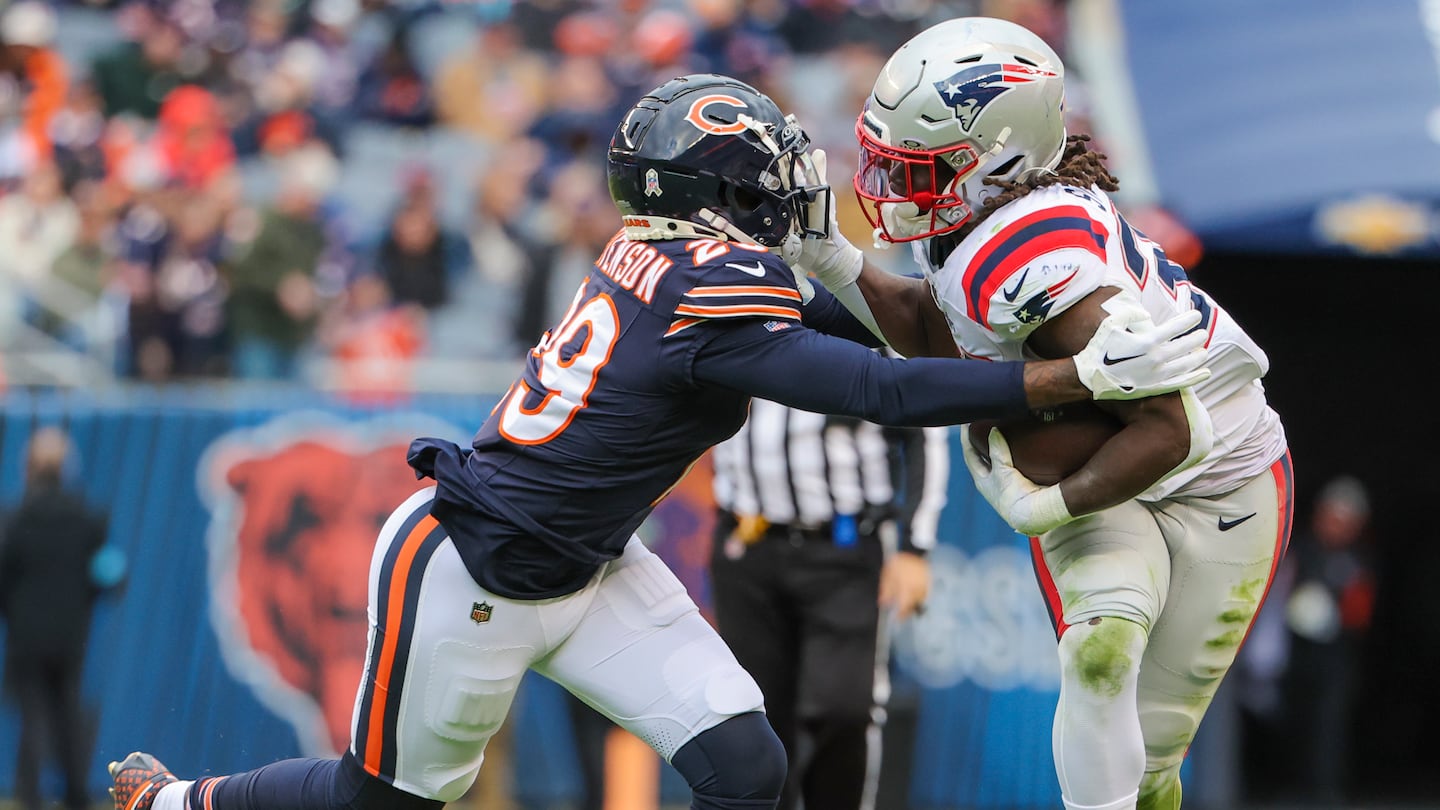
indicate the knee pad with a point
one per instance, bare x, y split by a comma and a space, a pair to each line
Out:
1103, 658
739, 763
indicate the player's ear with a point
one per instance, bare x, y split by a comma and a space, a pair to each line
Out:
239, 476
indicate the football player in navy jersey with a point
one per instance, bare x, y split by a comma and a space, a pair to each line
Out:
522, 554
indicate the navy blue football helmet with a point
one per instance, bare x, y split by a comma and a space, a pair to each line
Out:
710, 156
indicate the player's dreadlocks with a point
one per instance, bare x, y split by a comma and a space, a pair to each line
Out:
1079, 166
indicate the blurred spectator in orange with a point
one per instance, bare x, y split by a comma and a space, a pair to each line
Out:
417, 257
493, 89
274, 299
35, 73
1329, 614
374, 342
391, 89
49, 582
136, 76
191, 141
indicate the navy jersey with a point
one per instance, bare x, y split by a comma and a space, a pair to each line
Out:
656, 361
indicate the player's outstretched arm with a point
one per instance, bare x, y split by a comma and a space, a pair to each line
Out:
817, 372
903, 308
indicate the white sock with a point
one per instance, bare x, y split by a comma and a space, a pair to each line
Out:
172, 796
1099, 752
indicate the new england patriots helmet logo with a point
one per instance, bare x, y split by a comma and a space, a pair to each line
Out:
971, 90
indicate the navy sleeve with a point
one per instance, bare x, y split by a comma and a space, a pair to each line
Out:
805, 369
826, 314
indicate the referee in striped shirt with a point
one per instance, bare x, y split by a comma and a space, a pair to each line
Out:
820, 543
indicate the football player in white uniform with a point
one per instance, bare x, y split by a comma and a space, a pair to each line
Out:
1155, 556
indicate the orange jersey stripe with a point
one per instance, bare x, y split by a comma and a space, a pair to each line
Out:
375, 735
682, 324
738, 311
774, 292
210, 792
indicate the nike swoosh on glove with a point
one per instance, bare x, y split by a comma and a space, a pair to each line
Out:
1130, 357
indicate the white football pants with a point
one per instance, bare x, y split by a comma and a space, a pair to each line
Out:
1175, 586
446, 657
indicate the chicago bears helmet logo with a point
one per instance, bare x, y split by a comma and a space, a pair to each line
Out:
971, 90
296, 506
703, 121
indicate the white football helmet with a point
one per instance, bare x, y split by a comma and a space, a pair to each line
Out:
963, 100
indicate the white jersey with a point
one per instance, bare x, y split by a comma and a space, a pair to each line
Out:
1037, 256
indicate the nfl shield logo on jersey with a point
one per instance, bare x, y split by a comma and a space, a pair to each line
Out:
480, 612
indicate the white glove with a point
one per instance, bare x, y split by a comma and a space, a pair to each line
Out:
1028, 507
1130, 357
830, 258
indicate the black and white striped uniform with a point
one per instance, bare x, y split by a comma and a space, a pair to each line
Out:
795, 594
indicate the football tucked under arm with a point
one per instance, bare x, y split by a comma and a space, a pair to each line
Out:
1048, 445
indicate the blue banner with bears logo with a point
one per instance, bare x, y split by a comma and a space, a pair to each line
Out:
247, 518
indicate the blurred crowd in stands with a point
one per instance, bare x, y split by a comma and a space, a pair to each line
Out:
218, 188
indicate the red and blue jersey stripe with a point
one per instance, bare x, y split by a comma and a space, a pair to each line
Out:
1023, 241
